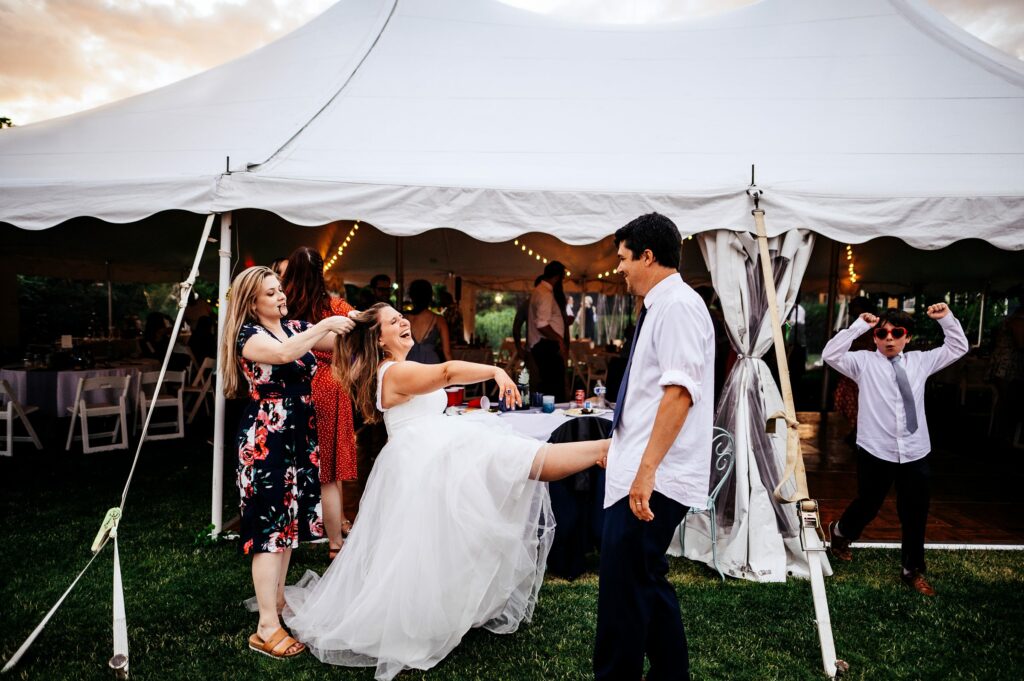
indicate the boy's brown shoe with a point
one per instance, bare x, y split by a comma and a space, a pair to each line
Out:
916, 581
838, 546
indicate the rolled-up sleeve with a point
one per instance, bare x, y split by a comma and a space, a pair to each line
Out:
680, 339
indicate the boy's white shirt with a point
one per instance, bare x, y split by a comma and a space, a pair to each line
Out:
881, 418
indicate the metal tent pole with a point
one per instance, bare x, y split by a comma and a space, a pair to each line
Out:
223, 282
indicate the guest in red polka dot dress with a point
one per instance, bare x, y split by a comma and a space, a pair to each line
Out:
309, 301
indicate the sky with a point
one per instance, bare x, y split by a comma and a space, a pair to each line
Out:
62, 56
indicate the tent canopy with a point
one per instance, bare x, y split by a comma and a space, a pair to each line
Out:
875, 118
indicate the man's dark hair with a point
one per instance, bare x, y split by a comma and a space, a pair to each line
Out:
379, 277
896, 318
554, 269
655, 232
536, 282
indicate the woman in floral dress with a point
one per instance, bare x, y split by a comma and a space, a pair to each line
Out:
309, 301
278, 457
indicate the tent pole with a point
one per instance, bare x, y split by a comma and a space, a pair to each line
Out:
223, 282
833, 296
110, 304
399, 271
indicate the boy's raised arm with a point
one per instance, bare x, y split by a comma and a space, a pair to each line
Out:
954, 345
837, 351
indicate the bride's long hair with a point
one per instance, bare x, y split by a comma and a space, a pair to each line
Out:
357, 357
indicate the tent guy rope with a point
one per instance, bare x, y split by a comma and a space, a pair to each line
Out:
108, 528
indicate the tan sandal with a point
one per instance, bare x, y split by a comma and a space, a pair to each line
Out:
346, 528
333, 553
277, 646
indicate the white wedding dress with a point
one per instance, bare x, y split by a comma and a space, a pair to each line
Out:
452, 533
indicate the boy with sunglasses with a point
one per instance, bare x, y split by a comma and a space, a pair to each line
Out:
892, 432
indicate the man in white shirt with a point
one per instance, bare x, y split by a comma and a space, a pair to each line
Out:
659, 461
545, 332
892, 431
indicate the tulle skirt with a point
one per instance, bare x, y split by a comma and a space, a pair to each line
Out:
452, 533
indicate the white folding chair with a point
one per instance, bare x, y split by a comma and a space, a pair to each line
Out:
578, 363
201, 388
186, 358
170, 397
87, 406
13, 411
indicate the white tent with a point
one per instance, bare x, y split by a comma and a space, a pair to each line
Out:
866, 119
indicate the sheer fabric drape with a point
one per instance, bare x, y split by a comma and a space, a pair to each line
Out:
757, 535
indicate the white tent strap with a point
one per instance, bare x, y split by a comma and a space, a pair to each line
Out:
186, 289
794, 461
39, 628
109, 530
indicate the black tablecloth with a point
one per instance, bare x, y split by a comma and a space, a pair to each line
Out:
577, 502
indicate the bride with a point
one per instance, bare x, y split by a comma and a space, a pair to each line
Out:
454, 526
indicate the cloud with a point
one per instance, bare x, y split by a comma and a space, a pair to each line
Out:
62, 56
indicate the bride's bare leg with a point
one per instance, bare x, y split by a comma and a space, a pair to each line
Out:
557, 461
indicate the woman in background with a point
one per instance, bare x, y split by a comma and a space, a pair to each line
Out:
309, 301
429, 330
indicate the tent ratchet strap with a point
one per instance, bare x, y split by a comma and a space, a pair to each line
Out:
811, 536
108, 528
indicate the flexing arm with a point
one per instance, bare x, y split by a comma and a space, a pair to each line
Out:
954, 345
262, 348
406, 379
837, 351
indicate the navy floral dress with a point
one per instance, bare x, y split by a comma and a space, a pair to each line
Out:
278, 456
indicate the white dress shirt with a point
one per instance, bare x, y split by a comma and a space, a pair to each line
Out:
544, 311
881, 417
676, 346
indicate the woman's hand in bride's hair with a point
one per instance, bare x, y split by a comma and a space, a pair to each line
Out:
338, 324
507, 390
352, 314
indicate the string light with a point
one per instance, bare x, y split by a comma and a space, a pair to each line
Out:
536, 255
341, 248
849, 264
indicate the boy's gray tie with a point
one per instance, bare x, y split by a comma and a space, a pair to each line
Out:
621, 397
905, 392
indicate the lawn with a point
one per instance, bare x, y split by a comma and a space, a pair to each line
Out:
186, 620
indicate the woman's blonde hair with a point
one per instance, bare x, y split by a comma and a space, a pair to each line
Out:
357, 357
242, 295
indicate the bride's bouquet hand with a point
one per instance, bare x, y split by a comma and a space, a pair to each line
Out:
507, 390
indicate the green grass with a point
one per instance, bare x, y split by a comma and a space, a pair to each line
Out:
186, 620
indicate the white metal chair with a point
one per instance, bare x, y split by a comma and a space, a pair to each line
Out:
171, 396
723, 452
13, 411
201, 388
578, 363
85, 408
597, 370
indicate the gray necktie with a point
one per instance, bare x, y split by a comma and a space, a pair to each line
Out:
905, 392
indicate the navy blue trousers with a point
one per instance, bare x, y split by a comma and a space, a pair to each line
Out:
637, 609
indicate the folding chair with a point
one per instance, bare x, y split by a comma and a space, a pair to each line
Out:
183, 359
597, 370
86, 406
11, 412
578, 363
171, 396
201, 388
723, 449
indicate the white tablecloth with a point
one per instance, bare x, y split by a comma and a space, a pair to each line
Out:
54, 391
531, 422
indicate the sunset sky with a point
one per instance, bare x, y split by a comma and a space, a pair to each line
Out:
62, 56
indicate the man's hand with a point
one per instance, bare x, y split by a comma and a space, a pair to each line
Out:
640, 496
938, 311
871, 319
